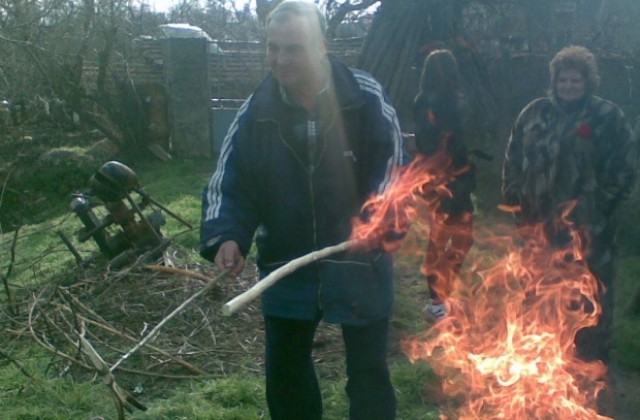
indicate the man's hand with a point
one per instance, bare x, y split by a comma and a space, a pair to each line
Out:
230, 258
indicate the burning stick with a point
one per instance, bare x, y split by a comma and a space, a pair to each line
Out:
388, 216
244, 298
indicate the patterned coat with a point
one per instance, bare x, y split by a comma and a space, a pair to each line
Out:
557, 155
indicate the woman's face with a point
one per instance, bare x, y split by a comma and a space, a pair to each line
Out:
570, 85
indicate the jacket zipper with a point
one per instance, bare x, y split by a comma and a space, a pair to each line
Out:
310, 169
311, 166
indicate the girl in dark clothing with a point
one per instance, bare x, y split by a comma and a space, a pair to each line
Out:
438, 134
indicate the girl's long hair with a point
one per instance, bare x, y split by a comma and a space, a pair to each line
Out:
439, 75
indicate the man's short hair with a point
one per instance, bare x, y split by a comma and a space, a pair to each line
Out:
285, 10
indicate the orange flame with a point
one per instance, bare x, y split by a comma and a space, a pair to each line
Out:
506, 350
389, 214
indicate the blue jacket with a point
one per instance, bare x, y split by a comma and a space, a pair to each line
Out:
296, 201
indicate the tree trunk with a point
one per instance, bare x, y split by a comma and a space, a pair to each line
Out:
403, 32
391, 47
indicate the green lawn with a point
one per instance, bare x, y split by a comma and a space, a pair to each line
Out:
38, 384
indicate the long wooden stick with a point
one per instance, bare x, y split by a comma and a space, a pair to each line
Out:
244, 298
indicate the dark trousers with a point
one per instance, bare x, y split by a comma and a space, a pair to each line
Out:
450, 239
594, 343
293, 392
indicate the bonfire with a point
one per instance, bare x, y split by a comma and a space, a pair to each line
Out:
507, 348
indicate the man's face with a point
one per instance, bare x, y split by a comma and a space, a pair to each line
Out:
294, 52
570, 85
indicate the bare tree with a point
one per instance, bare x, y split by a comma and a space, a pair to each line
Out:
337, 12
401, 33
52, 49
404, 31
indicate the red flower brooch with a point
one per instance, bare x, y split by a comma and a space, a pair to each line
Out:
584, 130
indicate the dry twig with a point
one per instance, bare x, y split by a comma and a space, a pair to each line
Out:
167, 319
181, 271
123, 400
13, 308
158, 350
129, 308
21, 368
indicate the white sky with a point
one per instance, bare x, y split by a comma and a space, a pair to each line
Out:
165, 5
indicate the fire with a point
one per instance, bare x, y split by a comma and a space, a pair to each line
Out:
507, 348
389, 215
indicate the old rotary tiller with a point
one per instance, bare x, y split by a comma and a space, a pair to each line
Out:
130, 230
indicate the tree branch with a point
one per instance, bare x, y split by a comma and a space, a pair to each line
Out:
343, 10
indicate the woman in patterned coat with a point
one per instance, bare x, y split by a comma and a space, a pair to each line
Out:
569, 162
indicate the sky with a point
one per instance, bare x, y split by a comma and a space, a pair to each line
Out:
165, 5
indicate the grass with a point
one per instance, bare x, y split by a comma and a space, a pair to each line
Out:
69, 394
626, 337
233, 398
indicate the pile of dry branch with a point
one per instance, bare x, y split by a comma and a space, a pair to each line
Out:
146, 323
115, 311
159, 321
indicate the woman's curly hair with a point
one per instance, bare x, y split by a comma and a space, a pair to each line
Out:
578, 58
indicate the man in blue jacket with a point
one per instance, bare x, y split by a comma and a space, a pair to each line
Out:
306, 149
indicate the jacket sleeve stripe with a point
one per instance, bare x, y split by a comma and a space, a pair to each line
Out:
214, 188
370, 85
